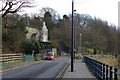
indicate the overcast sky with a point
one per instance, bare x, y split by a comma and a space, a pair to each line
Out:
105, 9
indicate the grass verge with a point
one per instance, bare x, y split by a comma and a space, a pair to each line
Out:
78, 56
11, 63
108, 60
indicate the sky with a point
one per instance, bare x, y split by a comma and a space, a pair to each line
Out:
106, 10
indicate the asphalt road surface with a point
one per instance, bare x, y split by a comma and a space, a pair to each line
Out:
44, 69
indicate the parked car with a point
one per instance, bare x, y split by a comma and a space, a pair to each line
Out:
50, 56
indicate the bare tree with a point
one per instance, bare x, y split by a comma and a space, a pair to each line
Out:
13, 6
49, 11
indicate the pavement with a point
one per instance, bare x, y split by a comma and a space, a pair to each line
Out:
81, 72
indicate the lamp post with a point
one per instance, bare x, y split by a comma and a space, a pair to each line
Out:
80, 42
74, 29
72, 40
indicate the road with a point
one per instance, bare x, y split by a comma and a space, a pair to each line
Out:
43, 69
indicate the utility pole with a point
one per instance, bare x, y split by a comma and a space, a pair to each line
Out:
72, 43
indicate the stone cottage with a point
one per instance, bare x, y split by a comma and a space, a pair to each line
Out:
37, 34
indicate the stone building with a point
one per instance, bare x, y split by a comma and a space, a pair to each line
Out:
44, 33
37, 34
33, 34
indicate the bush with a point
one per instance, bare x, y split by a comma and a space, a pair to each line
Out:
78, 56
28, 47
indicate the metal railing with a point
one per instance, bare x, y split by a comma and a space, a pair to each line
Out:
101, 70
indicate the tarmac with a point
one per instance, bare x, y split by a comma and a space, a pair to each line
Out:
16, 66
80, 72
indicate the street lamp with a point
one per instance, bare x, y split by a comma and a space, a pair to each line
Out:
80, 42
74, 29
72, 40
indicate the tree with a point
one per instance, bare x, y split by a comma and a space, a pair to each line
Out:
13, 33
47, 17
13, 6
50, 13
84, 19
99, 35
35, 22
65, 17
28, 47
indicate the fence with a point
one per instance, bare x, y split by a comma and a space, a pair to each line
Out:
5, 58
101, 70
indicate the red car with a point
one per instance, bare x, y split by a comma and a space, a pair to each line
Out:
50, 56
